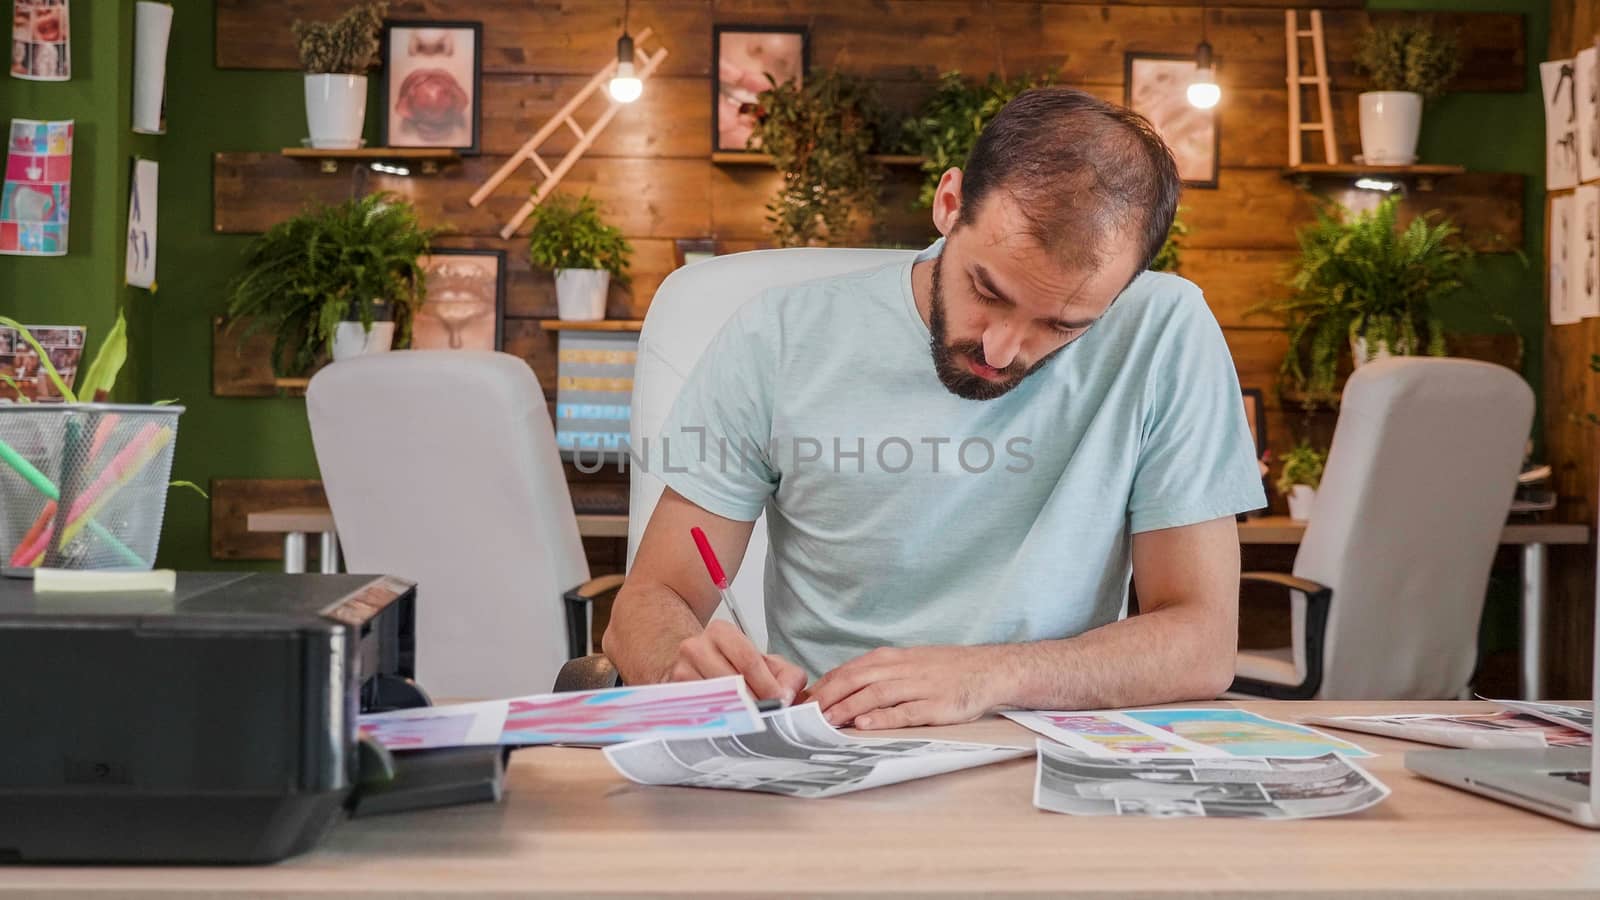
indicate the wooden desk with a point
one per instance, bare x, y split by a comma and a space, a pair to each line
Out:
569, 825
1533, 537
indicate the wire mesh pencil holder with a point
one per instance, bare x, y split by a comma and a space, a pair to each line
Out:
84, 486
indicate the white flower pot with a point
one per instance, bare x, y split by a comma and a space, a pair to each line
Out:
581, 294
351, 340
1390, 122
336, 110
1300, 500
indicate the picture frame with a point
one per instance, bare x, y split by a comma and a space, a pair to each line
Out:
1156, 85
431, 85
686, 251
737, 54
458, 310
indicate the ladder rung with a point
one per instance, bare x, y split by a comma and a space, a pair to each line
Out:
1307, 33
573, 124
1309, 79
539, 162
1313, 126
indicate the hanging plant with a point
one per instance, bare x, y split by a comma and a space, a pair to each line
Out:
820, 136
949, 123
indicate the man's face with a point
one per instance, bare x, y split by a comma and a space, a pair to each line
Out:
1002, 305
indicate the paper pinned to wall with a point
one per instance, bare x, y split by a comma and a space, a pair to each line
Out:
1583, 259
152, 25
34, 201
40, 49
1558, 77
1588, 117
140, 269
1559, 248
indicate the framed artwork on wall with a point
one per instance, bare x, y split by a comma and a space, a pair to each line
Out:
1156, 86
432, 85
743, 56
686, 251
465, 304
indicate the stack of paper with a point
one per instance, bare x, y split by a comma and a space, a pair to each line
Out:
1521, 725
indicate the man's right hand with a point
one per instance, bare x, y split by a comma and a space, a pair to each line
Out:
722, 649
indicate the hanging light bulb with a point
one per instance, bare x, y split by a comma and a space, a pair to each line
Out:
625, 86
1203, 91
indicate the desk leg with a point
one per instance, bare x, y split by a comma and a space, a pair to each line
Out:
1533, 601
294, 552
330, 553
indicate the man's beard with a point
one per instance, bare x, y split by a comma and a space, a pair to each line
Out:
950, 360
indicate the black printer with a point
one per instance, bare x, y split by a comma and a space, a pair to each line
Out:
213, 724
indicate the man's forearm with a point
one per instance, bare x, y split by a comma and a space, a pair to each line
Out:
1164, 656
648, 622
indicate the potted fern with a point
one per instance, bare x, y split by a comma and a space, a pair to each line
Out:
337, 280
584, 253
1300, 478
1407, 62
336, 56
1362, 279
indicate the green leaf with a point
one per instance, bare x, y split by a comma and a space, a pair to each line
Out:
108, 361
191, 486
44, 359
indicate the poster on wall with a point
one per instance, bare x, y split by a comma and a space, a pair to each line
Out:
1583, 261
748, 59
22, 375
1588, 117
432, 75
152, 24
1156, 86
34, 201
140, 270
1559, 248
465, 305
39, 46
1560, 124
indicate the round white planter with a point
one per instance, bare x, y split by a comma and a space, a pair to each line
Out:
1390, 122
1300, 500
581, 294
351, 340
336, 110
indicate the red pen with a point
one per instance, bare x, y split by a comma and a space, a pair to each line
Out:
718, 577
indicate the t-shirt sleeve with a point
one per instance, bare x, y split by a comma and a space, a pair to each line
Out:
716, 439
1197, 460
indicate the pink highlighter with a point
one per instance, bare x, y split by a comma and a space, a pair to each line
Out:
718, 577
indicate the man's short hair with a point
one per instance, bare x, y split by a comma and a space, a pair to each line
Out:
1080, 170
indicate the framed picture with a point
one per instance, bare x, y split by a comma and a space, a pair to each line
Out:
432, 85
465, 304
743, 56
687, 251
1156, 86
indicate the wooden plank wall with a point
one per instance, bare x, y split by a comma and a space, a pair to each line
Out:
652, 173
1571, 391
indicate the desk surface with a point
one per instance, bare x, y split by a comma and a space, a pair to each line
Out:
1284, 530
570, 825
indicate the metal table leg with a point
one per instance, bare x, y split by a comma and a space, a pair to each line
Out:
1534, 571
330, 553
294, 552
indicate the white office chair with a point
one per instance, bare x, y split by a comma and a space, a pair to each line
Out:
441, 467
688, 310
1389, 581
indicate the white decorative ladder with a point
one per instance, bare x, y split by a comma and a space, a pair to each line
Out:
565, 117
1297, 83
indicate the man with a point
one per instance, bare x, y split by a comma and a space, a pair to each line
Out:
1015, 420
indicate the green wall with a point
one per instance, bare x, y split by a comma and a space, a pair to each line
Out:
211, 110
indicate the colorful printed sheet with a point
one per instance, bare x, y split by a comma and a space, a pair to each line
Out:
22, 375
1486, 731
1571, 716
798, 755
40, 50
35, 199
1107, 734
719, 706
1079, 784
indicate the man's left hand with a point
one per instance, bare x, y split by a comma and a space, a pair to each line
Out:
900, 688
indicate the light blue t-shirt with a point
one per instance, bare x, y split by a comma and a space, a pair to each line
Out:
902, 515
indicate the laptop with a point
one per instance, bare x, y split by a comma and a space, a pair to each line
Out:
1558, 782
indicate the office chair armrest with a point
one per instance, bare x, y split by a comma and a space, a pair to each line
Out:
1319, 597
587, 673
580, 610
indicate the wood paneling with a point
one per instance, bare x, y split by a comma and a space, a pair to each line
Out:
234, 499
1083, 43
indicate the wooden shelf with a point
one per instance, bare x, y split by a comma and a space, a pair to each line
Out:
597, 325
1422, 176
291, 384
765, 159
427, 160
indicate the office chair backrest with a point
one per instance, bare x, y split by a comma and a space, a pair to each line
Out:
687, 312
1418, 483
441, 467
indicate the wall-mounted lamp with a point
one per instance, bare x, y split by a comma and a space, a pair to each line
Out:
1203, 90
388, 169
625, 86
1377, 184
